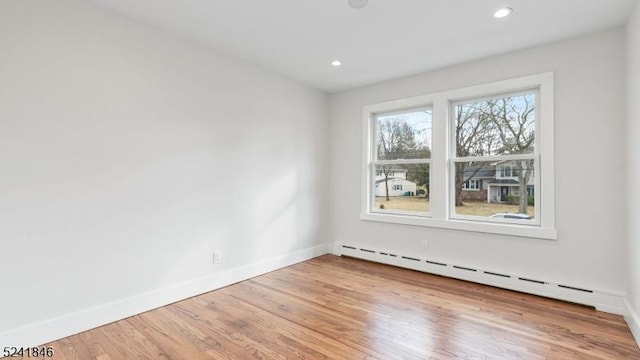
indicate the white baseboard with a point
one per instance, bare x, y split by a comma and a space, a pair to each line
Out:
602, 300
70, 324
633, 321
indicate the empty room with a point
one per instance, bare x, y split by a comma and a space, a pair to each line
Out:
320, 179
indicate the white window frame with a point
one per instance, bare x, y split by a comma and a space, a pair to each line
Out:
503, 172
467, 185
372, 154
441, 162
506, 171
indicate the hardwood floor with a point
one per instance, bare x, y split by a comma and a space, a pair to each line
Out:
342, 308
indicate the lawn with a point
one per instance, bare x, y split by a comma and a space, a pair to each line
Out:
486, 209
404, 203
420, 204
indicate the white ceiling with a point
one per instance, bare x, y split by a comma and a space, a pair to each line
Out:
386, 39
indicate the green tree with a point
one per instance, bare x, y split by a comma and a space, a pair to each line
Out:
419, 174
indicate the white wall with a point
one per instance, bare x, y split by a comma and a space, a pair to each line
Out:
590, 205
633, 169
128, 155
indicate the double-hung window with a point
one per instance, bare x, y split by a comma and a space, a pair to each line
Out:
400, 162
497, 132
474, 159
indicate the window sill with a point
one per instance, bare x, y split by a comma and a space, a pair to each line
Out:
529, 231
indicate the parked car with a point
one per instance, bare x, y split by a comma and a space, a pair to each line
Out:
511, 216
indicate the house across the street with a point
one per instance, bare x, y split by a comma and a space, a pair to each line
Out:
397, 183
494, 184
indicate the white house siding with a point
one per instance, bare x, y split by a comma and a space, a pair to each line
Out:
405, 184
495, 191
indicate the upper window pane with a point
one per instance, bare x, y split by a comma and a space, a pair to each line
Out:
497, 126
405, 135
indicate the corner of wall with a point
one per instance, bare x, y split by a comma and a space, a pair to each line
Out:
632, 300
633, 321
70, 324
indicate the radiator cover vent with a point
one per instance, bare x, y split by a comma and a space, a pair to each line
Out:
607, 301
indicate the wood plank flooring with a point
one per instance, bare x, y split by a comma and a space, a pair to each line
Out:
342, 308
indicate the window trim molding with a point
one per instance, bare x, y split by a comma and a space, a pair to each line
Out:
440, 103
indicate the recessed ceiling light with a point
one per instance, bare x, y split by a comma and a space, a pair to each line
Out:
336, 63
358, 4
503, 12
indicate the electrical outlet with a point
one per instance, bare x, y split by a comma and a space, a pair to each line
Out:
217, 257
424, 245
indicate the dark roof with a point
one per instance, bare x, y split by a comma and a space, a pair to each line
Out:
504, 182
391, 178
482, 173
394, 169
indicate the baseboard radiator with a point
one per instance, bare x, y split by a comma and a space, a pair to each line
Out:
606, 301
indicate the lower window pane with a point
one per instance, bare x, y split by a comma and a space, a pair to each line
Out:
402, 189
497, 190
